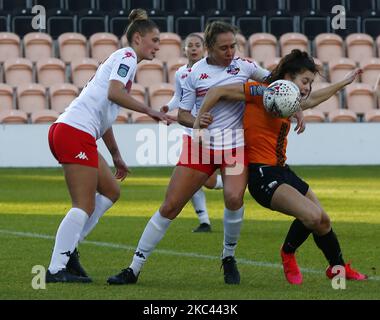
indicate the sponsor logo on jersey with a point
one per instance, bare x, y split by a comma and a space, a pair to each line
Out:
128, 54
123, 70
204, 76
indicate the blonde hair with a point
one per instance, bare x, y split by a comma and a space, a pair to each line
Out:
139, 22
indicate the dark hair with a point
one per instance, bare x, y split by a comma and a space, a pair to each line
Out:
293, 63
215, 28
139, 22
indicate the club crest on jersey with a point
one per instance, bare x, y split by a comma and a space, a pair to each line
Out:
233, 70
123, 70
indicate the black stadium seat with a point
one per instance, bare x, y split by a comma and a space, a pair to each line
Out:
175, 5
280, 24
60, 21
237, 5
202, 6
145, 4
111, 5
21, 22
90, 22
249, 23
79, 5
187, 22
14, 5
313, 25
50, 4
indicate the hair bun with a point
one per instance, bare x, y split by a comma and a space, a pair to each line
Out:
137, 14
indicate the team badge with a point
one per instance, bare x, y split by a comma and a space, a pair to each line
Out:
123, 70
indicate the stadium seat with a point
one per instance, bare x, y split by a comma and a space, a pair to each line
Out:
173, 65
72, 46
170, 46
360, 6
187, 22
118, 21
138, 92
312, 115
360, 98
262, 46
50, 71
82, 71
370, 23
359, 47
150, 72
9, 46
61, 95
339, 68
75, 5
313, 25
147, 4
372, 115
44, 116
6, 97
237, 6
91, 22
342, 115
171, 6
21, 22
31, 97
60, 22
265, 6
204, 6
103, 45
219, 15
328, 46
329, 105
250, 22
371, 70
270, 64
14, 5
293, 40
13, 117
4, 21
281, 24
160, 94
300, 6
352, 25
325, 6
18, 71
122, 117
37, 46
110, 5
50, 4
241, 49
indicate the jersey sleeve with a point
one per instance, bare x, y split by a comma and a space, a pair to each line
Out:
188, 96
254, 92
174, 102
255, 72
124, 66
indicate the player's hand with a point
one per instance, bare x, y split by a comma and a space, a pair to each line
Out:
164, 109
352, 76
301, 124
161, 116
203, 121
121, 168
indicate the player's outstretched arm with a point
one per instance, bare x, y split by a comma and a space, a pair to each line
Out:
324, 94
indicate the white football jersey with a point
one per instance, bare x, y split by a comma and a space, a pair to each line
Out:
91, 111
180, 77
226, 130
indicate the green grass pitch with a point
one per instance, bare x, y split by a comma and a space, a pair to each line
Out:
187, 265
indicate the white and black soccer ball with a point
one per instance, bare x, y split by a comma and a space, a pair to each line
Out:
282, 98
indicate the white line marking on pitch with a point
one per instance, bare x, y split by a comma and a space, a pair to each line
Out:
164, 251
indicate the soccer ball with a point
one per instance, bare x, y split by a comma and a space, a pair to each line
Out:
282, 98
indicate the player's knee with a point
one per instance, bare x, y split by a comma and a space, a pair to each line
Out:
113, 193
233, 201
314, 221
169, 209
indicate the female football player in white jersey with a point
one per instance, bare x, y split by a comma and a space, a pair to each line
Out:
194, 50
72, 140
225, 151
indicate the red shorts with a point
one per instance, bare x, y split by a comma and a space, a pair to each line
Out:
71, 145
208, 160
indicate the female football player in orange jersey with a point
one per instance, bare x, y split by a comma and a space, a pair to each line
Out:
271, 182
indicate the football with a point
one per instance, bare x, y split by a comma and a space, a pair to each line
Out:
282, 98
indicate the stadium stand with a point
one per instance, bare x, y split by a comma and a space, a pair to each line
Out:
13, 117
160, 94
31, 97
81, 34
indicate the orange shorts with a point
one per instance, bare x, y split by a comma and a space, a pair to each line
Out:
72, 146
208, 160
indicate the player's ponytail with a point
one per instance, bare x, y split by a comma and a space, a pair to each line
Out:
139, 22
293, 63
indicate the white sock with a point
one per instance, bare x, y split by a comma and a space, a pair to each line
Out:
232, 221
152, 235
67, 238
199, 203
219, 182
102, 204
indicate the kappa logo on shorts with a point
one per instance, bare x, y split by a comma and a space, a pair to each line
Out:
123, 70
82, 156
